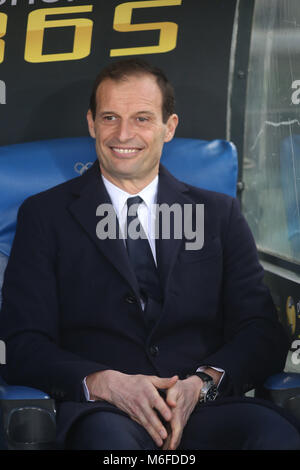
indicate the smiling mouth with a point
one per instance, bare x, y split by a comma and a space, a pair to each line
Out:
125, 151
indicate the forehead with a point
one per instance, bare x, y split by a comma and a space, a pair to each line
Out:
131, 92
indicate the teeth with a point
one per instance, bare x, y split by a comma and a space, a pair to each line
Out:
115, 149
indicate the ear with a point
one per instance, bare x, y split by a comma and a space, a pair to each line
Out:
91, 124
171, 124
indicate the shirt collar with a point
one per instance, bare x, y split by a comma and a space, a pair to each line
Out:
119, 197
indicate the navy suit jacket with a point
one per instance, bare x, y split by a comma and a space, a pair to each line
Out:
70, 299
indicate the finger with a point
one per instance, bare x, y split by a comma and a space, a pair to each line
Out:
159, 404
175, 440
146, 413
151, 431
171, 397
167, 442
176, 432
164, 383
166, 445
144, 409
155, 423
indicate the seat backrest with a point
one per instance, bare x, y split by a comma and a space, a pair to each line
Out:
29, 168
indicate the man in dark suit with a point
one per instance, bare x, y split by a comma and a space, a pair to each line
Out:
143, 343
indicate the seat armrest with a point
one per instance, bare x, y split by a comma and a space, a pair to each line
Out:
27, 419
283, 389
16, 392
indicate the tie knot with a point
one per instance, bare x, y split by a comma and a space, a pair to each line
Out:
134, 200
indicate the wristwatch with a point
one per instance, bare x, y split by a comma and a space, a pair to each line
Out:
209, 390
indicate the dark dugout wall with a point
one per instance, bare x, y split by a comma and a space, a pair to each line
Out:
51, 51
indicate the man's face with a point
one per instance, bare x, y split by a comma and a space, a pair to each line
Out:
129, 129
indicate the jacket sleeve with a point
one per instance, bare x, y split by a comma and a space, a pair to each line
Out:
29, 318
255, 343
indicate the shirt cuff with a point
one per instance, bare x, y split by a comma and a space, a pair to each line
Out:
86, 390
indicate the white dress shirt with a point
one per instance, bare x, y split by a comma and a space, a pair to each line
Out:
146, 215
146, 212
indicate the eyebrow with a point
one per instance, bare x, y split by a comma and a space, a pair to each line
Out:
146, 112
106, 112
150, 113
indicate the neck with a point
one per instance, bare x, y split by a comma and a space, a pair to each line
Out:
130, 185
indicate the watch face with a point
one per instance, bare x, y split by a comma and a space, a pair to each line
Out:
212, 393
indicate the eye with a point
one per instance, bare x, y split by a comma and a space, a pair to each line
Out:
109, 118
142, 119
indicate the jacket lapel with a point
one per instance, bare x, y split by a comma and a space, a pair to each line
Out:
89, 194
170, 192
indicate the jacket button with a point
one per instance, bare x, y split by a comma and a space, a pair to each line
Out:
130, 299
154, 350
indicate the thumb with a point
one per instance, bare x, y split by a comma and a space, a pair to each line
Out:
164, 382
171, 397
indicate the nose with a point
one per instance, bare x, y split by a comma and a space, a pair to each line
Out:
125, 131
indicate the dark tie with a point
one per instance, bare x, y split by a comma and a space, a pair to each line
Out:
140, 254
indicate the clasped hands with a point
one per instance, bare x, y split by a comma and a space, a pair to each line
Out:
139, 397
